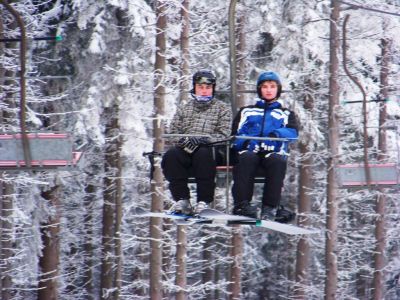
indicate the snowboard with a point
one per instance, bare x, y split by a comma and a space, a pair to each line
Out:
168, 215
216, 217
184, 219
290, 229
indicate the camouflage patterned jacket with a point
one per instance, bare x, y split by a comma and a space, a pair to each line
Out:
213, 118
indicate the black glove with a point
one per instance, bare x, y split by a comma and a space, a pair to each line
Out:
203, 140
195, 141
269, 145
189, 144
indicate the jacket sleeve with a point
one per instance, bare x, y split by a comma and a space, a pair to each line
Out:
224, 123
235, 123
238, 144
290, 131
175, 126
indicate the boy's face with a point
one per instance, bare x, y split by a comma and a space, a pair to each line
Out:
269, 90
203, 89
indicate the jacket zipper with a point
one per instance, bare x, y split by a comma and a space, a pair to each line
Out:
263, 121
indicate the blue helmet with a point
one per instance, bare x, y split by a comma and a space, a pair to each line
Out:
269, 76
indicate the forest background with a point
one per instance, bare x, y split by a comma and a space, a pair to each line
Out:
114, 82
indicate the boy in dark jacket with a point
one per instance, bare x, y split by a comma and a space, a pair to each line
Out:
266, 119
203, 119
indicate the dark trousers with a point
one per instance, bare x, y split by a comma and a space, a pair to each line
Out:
178, 166
244, 172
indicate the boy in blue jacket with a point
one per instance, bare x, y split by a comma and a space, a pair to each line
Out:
267, 118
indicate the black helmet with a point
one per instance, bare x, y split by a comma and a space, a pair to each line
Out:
204, 76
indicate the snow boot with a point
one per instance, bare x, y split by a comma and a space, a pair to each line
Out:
245, 210
182, 207
284, 215
268, 213
200, 206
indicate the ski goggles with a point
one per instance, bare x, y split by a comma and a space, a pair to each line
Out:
204, 80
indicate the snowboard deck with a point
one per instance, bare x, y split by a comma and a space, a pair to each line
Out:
216, 217
272, 225
168, 215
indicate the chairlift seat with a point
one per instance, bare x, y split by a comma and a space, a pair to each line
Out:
382, 174
47, 150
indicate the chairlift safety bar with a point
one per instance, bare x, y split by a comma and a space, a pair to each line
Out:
240, 137
259, 138
172, 135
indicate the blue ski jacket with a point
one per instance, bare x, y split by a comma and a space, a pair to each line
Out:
264, 120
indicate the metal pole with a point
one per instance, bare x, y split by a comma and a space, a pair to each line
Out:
227, 182
22, 104
232, 53
45, 38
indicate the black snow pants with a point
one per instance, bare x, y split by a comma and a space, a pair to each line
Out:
244, 172
179, 165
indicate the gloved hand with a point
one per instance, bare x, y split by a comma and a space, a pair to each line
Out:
190, 144
268, 145
203, 140
253, 146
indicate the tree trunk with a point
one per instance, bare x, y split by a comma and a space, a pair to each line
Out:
304, 203
185, 54
207, 255
380, 231
219, 271
181, 251
49, 261
158, 146
6, 235
303, 247
138, 274
333, 138
168, 263
236, 268
232, 53
241, 61
118, 221
236, 251
107, 241
111, 191
181, 262
88, 244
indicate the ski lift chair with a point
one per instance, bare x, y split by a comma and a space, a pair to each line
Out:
224, 164
46, 151
383, 174
221, 152
33, 151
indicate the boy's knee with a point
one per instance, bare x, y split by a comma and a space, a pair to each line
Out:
248, 157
